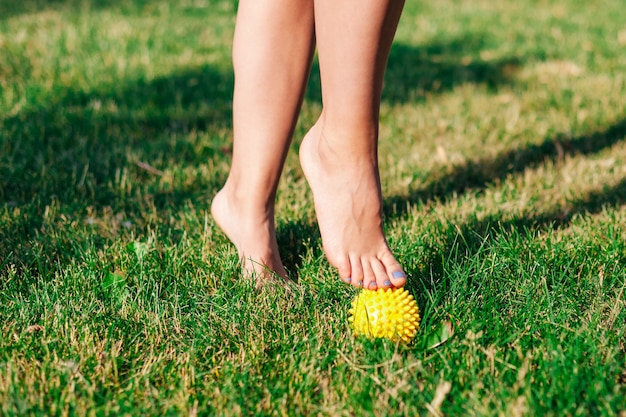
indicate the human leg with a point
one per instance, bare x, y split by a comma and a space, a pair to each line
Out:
272, 51
339, 155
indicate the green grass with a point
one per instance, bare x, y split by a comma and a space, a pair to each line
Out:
503, 158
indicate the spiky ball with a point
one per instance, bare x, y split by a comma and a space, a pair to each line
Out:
391, 313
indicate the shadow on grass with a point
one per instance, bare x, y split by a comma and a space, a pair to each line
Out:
415, 72
108, 148
479, 174
72, 148
294, 240
467, 240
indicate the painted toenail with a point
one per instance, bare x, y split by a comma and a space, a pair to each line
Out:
347, 280
387, 283
360, 283
372, 285
398, 274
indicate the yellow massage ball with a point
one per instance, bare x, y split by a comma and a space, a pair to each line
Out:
391, 313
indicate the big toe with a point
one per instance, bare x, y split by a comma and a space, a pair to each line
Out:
398, 278
394, 272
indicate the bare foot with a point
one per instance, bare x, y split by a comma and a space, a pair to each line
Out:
253, 233
346, 191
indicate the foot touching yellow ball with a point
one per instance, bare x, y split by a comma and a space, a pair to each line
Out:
391, 313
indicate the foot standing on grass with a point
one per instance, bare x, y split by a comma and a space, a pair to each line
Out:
272, 54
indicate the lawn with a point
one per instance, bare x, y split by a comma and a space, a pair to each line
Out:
503, 160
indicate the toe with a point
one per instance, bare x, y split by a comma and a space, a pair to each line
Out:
382, 278
356, 272
344, 270
369, 278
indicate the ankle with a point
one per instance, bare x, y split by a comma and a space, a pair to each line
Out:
348, 141
249, 200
